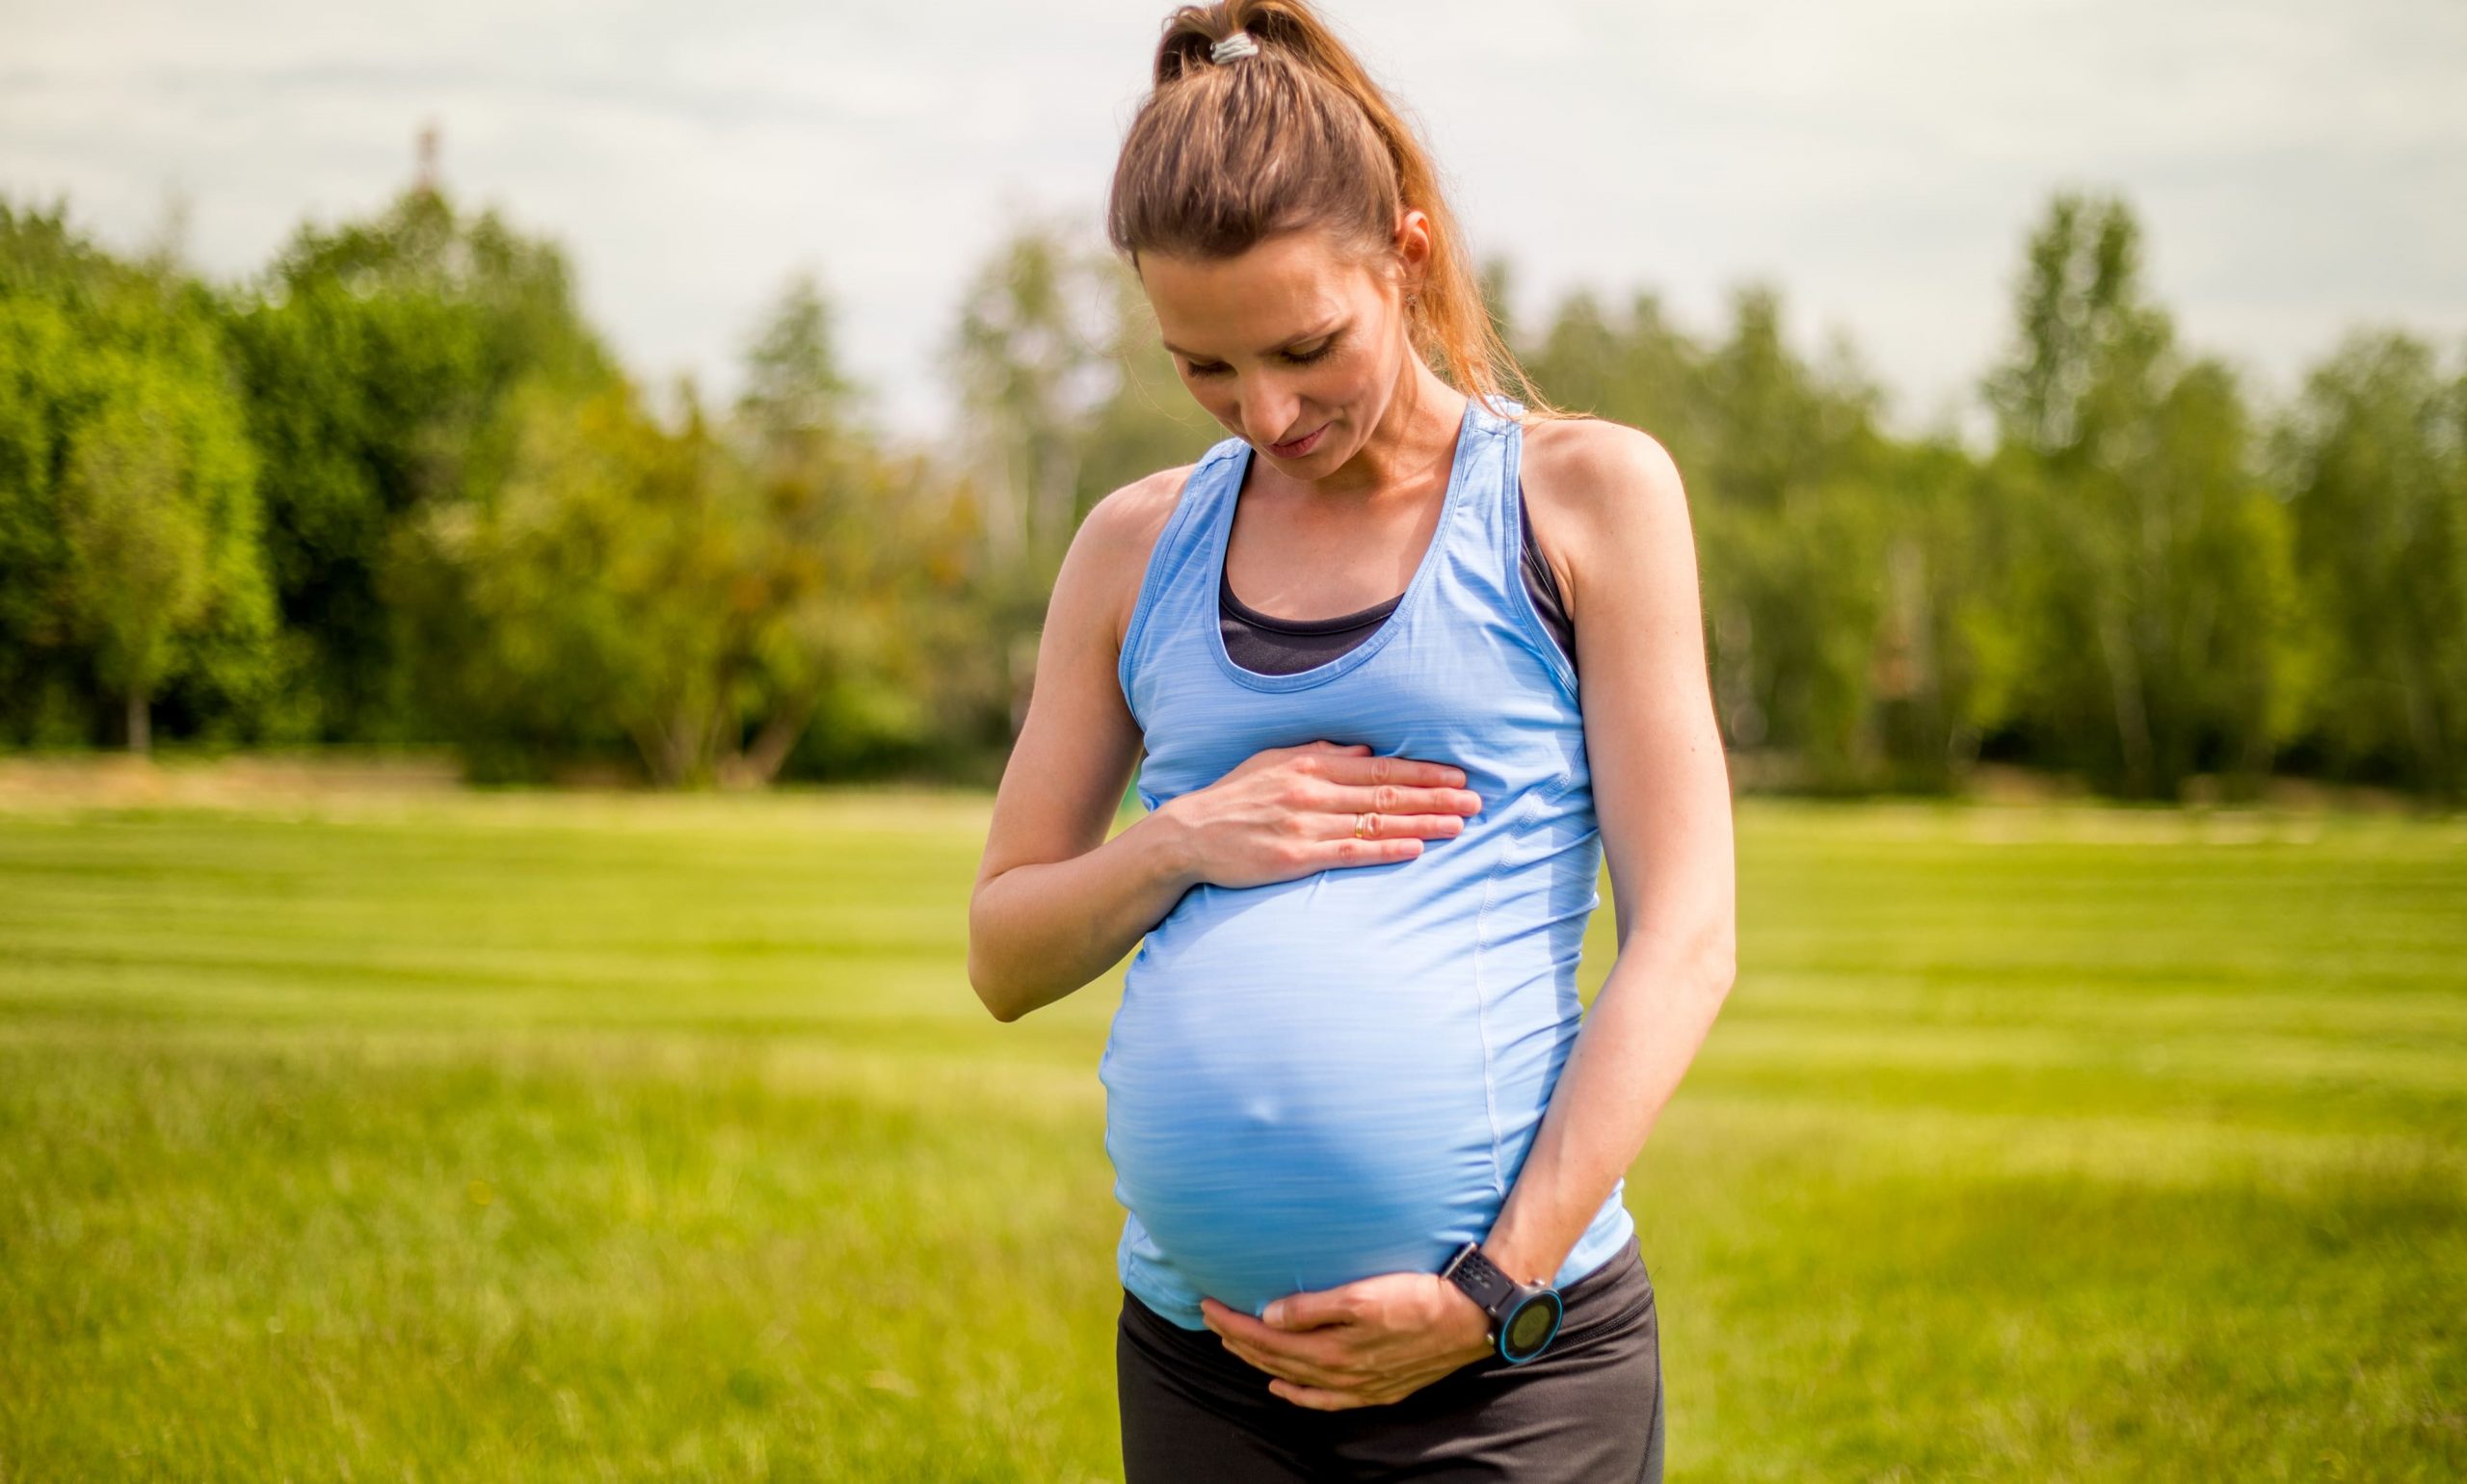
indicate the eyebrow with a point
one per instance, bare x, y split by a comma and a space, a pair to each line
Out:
1299, 339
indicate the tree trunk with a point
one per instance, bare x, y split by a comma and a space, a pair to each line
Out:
758, 764
2124, 686
140, 730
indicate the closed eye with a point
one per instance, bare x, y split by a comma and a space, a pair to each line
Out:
1294, 358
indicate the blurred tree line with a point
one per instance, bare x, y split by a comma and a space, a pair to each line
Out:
2144, 581
394, 490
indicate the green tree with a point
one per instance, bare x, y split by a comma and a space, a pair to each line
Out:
1030, 360
1145, 420
2374, 457
128, 515
701, 593
1946, 664
795, 396
1794, 540
859, 565
151, 538
581, 602
379, 357
1068, 394
2149, 564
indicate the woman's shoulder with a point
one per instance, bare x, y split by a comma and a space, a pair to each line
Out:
1590, 483
1594, 457
1122, 529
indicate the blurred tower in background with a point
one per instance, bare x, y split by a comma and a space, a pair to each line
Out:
424, 173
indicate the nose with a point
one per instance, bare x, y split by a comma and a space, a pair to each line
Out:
1271, 415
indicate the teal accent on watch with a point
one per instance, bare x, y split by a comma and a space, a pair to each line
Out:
1523, 1317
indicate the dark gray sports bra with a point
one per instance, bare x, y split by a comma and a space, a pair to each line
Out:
1266, 645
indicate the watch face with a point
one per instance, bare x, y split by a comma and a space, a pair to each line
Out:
1531, 1325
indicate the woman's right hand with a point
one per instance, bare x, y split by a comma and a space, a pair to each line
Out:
1289, 811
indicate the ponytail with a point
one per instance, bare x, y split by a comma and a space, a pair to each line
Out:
1297, 137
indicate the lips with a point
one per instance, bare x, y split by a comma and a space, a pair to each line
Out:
1301, 446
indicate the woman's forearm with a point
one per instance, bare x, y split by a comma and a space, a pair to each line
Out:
1644, 1029
1039, 931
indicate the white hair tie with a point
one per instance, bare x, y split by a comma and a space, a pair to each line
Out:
1238, 44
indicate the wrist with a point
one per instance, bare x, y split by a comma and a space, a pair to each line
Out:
1519, 1316
1518, 1262
1466, 1320
1173, 846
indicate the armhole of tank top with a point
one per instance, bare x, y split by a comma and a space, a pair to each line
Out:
1529, 616
1151, 579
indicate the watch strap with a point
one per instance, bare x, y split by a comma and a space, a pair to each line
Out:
1481, 1280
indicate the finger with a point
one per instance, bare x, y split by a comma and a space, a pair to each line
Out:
1405, 798
1310, 1311
1404, 772
1285, 1367
1316, 1399
1317, 1367
1374, 826
1319, 1350
1226, 1319
1235, 1324
1331, 854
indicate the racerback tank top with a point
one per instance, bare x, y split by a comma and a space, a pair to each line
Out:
1336, 1075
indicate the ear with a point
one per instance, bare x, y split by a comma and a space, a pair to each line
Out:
1413, 246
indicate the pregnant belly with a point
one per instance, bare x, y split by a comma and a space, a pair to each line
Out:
1297, 1089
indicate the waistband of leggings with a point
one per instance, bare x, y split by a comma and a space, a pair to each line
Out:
1620, 1269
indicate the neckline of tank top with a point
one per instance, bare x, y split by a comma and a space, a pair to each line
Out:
1337, 624
1526, 557
1221, 529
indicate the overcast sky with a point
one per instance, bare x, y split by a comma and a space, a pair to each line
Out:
2300, 167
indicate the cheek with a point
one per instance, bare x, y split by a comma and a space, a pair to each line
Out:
1351, 376
1215, 396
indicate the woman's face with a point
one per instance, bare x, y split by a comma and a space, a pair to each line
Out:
1292, 346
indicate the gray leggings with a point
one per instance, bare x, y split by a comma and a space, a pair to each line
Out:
1588, 1410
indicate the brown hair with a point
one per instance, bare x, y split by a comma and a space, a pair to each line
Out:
1222, 155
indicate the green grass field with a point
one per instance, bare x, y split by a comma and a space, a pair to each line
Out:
523, 1136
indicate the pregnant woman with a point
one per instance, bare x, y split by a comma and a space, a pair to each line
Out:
1370, 1145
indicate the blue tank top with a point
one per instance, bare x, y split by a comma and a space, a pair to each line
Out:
1337, 1076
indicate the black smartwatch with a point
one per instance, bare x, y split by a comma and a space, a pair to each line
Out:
1523, 1315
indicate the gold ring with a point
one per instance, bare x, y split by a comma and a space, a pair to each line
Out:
1362, 826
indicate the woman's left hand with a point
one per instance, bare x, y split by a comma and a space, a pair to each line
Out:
1365, 1345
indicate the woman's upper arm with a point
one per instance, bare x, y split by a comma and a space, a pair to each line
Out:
1076, 745
1660, 783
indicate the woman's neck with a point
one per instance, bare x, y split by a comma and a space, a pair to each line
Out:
1413, 445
